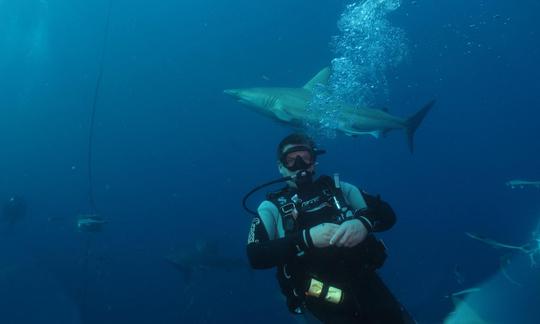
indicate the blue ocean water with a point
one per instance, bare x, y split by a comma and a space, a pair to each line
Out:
173, 156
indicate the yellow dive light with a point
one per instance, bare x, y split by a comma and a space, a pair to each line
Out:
316, 288
334, 295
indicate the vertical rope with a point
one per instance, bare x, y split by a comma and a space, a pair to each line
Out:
97, 90
86, 275
91, 199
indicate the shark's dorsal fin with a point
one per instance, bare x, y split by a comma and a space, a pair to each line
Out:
321, 78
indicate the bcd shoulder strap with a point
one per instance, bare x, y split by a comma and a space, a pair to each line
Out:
284, 201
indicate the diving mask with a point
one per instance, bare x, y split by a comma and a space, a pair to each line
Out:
299, 157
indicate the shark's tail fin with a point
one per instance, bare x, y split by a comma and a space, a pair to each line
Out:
414, 121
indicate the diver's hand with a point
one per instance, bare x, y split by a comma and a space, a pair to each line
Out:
349, 234
322, 233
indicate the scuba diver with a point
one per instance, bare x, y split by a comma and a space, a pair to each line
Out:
14, 209
318, 233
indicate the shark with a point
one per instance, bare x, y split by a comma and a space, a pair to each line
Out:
500, 299
292, 107
464, 312
522, 184
205, 256
495, 300
531, 249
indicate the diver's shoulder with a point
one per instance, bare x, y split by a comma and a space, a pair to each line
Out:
348, 187
266, 206
268, 212
329, 179
345, 184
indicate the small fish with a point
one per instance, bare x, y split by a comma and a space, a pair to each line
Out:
522, 184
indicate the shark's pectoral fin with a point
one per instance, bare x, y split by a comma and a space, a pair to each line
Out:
376, 134
281, 115
320, 79
281, 112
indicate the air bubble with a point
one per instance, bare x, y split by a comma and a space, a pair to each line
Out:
366, 47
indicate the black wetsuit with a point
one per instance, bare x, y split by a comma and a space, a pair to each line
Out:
366, 298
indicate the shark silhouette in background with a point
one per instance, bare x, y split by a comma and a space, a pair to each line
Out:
292, 106
205, 256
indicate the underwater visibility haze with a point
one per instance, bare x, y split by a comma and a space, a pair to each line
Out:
131, 130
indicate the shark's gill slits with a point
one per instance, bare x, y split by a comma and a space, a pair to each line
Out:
270, 101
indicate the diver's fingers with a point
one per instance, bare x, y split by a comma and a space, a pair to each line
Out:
338, 235
350, 244
344, 239
353, 241
330, 229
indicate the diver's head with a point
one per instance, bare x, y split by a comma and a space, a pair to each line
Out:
297, 152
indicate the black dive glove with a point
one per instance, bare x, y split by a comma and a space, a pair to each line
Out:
365, 216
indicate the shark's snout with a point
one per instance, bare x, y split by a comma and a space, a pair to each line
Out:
232, 92
240, 95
